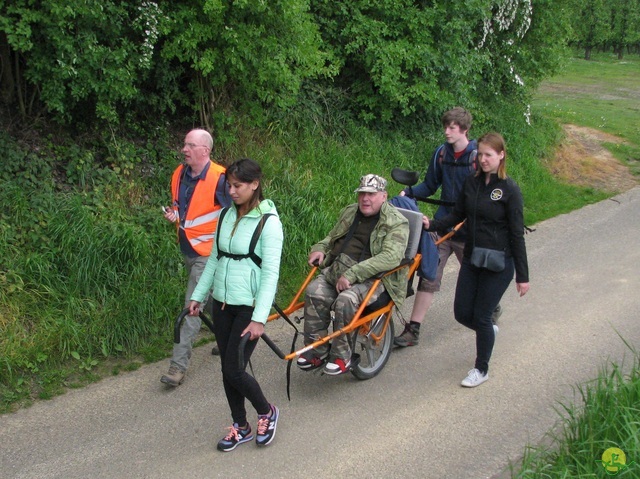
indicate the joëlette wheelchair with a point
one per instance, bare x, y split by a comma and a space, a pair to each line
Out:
371, 330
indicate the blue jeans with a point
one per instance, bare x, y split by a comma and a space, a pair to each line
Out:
478, 292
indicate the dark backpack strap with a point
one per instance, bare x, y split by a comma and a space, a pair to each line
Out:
254, 240
223, 212
252, 244
472, 164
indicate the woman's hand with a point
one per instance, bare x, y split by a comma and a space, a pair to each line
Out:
255, 329
425, 222
194, 308
522, 288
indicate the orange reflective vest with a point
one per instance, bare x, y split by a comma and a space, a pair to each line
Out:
201, 219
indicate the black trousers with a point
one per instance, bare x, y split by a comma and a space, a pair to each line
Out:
238, 384
478, 292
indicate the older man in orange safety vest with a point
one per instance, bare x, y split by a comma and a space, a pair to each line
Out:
198, 190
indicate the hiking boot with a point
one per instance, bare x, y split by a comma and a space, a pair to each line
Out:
337, 366
215, 350
496, 314
236, 436
174, 377
309, 360
409, 337
267, 426
474, 378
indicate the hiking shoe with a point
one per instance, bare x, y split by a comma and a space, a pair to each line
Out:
496, 314
236, 436
267, 426
474, 378
174, 377
215, 350
409, 337
309, 360
337, 366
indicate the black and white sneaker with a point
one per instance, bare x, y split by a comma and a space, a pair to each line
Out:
236, 436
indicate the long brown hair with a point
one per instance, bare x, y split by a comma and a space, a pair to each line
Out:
495, 141
246, 170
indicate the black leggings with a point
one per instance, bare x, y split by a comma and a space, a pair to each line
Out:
238, 384
478, 292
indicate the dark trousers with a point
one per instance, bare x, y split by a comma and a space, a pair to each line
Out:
238, 384
478, 292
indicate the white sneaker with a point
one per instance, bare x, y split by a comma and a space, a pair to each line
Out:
495, 329
337, 366
474, 378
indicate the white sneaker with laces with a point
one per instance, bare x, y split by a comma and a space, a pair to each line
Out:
474, 378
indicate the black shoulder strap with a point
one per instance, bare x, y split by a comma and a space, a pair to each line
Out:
254, 240
471, 163
252, 244
220, 218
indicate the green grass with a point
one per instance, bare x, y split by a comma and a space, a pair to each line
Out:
602, 93
606, 417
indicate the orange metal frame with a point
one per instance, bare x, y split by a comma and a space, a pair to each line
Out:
358, 321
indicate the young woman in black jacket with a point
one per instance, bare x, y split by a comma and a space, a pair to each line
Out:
492, 205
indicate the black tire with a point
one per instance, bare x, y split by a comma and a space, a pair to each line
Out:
373, 357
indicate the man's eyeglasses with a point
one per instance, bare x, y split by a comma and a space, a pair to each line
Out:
191, 146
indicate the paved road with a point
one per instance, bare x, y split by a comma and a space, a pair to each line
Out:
413, 420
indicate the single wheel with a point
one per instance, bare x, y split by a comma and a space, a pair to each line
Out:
374, 348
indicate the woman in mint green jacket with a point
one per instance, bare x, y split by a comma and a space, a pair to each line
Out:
244, 286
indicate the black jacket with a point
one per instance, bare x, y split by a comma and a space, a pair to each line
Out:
494, 215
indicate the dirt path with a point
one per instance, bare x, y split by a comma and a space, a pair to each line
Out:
582, 160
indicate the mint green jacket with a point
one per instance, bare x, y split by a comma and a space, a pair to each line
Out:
388, 244
242, 282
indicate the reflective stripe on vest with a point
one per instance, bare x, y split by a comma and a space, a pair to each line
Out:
201, 220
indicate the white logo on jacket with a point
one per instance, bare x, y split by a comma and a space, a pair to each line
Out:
496, 194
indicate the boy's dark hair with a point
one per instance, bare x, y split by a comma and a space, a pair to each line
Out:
459, 116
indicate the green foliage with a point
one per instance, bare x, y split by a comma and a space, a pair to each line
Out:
244, 54
404, 58
81, 58
600, 24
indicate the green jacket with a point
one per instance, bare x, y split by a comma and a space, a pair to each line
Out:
388, 244
242, 282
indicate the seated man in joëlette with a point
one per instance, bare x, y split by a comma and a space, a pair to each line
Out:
369, 238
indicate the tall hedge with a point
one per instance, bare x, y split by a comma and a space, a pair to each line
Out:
80, 60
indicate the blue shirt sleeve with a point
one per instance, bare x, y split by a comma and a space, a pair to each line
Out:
222, 192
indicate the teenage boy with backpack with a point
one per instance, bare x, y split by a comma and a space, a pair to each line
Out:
450, 164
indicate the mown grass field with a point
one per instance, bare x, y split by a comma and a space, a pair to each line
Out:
603, 93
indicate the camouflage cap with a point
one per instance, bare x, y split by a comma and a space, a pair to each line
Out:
372, 184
